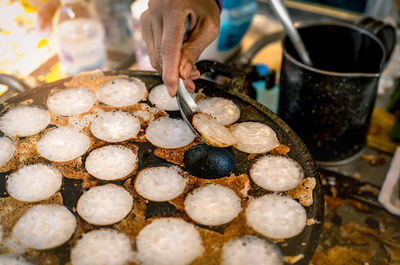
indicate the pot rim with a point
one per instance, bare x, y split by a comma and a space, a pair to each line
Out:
334, 73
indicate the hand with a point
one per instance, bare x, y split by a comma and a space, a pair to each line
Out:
46, 12
162, 30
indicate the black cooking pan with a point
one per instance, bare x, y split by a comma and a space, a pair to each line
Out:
302, 245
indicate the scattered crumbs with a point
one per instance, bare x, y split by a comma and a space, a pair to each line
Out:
41, 257
252, 156
277, 240
199, 96
357, 175
327, 243
374, 160
328, 225
345, 255
28, 101
285, 244
382, 228
311, 221
334, 191
293, 259
333, 202
281, 149
303, 243
359, 206
357, 234
304, 191
245, 190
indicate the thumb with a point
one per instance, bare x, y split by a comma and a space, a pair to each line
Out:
200, 37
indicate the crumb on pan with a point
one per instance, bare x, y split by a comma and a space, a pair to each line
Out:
304, 191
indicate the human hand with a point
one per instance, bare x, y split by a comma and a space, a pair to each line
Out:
46, 12
162, 30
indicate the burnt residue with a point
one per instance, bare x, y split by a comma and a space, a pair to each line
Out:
162, 209
215, 228
3, 180
71, 190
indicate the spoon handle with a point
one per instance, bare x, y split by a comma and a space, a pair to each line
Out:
182, 93
281, 12
187, 105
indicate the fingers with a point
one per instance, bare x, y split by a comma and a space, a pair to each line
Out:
171, 50
195, 74
163, 29
190, 86
205, 31
147, 23
45, 13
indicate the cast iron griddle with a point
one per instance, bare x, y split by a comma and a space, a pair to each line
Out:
303, 244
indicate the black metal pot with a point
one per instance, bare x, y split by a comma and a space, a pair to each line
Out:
330, 104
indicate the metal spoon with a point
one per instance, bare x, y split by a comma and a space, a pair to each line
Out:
187, 106
283, 15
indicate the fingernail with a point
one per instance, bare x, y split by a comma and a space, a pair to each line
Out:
171, 91
191, 87
187, 69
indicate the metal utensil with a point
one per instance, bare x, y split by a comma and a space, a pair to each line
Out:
283, 15
187, 105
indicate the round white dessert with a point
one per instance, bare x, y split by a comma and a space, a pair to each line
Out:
115, 126
276, 216
254, 137
160, 98
44, 227
7, 149
34, 182
212, 131
111, 162
166, 132
212, 205
71, 101
24, 120
104, 205
224, 110
121, 92
169, 241
102, 246
63, 144
276, 173
250, 250
160, 183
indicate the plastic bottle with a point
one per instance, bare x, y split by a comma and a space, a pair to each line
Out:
236, 18
80, 37
267, 92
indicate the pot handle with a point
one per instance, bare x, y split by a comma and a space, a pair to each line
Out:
385, 32
15, 86
237, 77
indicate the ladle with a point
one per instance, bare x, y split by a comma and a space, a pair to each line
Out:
187, 105
283, 15
203, 161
